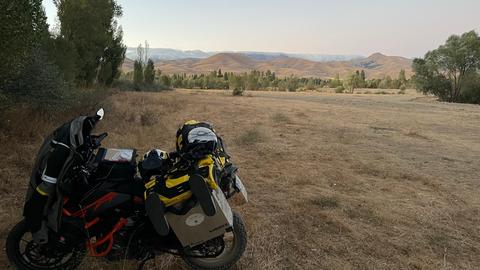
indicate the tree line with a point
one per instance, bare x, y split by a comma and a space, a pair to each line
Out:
259, 80
45, 68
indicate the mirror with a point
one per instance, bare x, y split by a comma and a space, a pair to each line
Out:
100, 113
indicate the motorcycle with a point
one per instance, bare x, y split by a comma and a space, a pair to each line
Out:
104, 216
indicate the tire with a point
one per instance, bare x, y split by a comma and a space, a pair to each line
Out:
19, 261
227, 259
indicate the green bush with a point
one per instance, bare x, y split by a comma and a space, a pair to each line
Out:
40, 85
339, 89
470, 92
238, 92
326, 202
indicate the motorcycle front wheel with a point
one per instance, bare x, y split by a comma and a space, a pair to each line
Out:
25, 254
235, 244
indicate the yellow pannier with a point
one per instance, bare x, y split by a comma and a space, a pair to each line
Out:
174, 187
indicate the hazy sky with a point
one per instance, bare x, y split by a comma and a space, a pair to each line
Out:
394, 27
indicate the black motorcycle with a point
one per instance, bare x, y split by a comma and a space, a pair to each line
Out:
104, 216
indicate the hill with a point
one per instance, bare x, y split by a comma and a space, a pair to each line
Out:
376, 66
158, 54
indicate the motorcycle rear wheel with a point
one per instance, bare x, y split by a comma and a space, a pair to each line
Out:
230, 254
25, 254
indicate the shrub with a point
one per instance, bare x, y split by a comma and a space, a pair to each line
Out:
339, 89
40, 85
252, 136
237, 92
326, 202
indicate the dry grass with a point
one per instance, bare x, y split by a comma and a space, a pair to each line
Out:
336, 181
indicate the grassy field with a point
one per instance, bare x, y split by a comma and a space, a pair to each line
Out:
336, 181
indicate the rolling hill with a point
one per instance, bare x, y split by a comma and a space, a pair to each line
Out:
158, 54
376, 66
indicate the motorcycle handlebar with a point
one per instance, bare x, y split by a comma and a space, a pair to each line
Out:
102, 136
97, 140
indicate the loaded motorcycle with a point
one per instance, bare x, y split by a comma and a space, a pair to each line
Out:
105, 214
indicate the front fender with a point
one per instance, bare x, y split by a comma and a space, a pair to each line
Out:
241, 190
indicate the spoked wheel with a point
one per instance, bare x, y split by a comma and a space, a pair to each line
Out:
25, 254
226, 250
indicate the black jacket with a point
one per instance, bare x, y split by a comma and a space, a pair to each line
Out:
54, 159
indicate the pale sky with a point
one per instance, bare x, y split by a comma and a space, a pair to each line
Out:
394, 27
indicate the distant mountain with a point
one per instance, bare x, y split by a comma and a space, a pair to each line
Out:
266, 56
172, 54
168, 54
376, 65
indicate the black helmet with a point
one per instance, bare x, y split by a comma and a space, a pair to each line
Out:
196, 139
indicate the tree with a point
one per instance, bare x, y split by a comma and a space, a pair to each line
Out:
252, 81
444, 71
112, 59
386, 83
23, 28
146, 52
149, 72
402, 78
292, 83
352, 82
64, 54
89, 26
236, 84
137, 73
335, 82
362, 79
310, 84
166, 81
